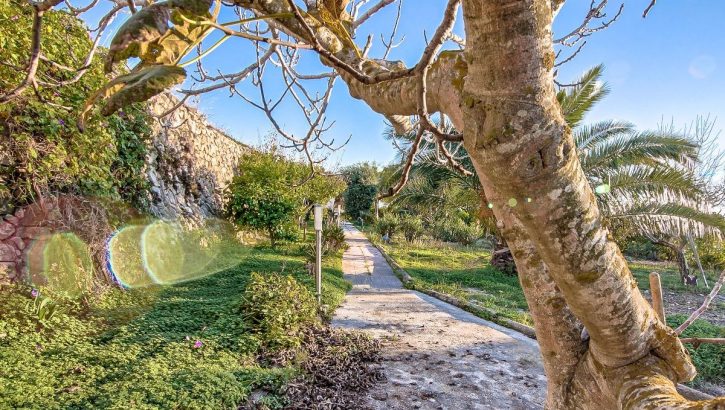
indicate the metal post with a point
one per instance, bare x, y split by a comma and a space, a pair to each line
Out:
318, 252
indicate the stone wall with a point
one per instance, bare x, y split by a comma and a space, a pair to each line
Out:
190, 162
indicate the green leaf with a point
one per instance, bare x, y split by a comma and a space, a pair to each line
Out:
136, 86
148, 36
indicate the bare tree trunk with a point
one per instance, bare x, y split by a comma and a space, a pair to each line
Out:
522, 148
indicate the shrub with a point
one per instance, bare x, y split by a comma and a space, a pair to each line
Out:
333, 239
268, 194
361, 190
643, 248
455, 230
709, 359
389, 224
278, 309
412, 227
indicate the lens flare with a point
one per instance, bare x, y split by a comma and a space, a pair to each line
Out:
603, 189
167, 252
124, 260
62, 263
162, 251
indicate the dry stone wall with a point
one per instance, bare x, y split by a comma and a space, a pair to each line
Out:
190, 162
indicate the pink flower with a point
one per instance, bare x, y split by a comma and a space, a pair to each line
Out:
34, 293
198, 344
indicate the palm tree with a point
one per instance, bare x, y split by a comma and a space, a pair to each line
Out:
646, 181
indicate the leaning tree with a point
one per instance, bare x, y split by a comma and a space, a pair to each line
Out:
602, 344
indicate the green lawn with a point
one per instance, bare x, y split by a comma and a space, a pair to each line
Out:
465, 272
181, 346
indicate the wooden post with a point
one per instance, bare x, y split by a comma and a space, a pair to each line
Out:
655, 288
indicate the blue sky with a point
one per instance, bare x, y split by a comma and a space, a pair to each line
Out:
669, 66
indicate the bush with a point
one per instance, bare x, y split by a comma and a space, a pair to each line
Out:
455, 230
412, 227
333, 239
388, 224
361, 190
41, 149
278, 309
642, 248
709, 359
268, 194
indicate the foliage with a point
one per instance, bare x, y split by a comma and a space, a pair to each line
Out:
642, 248
333, 239
278, 309
708, 358
645, 181
389, 225
361, 189
40, 148
271, 190
138, 348
412, 227
456, 230
712, 253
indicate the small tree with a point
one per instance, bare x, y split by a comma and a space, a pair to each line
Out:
361, 189
412, 227
271, 190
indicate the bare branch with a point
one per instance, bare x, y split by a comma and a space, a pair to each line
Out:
649, 7
705, 304
372, 10
595, 13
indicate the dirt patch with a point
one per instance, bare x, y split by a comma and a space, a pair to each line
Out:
687, 302
339, 367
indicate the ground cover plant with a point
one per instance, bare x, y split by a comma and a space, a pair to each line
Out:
190, 345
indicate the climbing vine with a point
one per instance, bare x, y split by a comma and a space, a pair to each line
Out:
41, 149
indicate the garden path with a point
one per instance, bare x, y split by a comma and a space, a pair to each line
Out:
435, 355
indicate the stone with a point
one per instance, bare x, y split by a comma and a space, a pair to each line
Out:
18, 242
7, 253
6, 230
12, 219
34, 232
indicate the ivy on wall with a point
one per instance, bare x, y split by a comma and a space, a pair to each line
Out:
41, 149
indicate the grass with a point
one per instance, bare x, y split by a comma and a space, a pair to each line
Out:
670, 277
463, 272
136, 349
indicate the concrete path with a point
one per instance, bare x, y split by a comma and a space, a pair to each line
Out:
435, 355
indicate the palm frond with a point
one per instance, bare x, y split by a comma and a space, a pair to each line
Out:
662, 182
669, 219
587, 137
644, 148
579, 99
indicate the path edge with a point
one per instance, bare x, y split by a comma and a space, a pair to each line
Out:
476, 309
